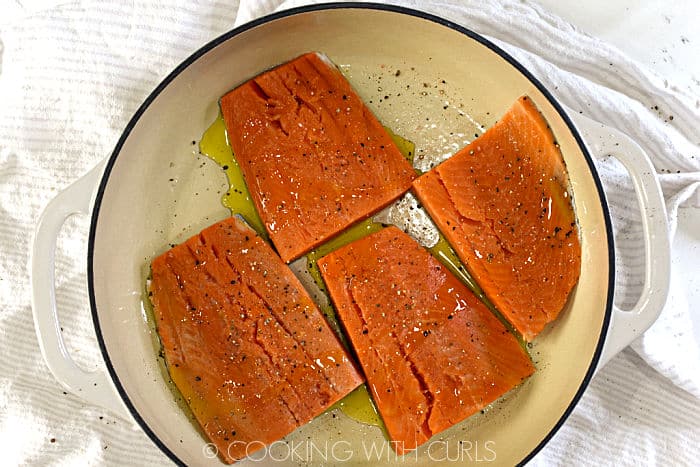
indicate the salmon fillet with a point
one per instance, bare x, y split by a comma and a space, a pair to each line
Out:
432, 353
502, 203
244, 343
314, 157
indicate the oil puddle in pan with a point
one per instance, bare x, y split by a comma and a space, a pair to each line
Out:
214, 145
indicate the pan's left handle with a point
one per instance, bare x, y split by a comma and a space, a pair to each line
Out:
94, 387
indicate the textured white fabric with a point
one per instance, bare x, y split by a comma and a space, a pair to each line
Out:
73, 73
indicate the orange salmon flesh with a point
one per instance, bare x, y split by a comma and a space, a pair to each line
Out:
246, 346
503, 205
314, 157
431, 351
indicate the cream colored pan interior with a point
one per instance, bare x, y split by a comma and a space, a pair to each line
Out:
441, 86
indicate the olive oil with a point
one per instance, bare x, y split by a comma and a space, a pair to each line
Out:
447, 256
214, 145
358, 405
407, 148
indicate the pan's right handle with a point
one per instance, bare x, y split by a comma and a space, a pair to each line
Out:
95, 387
627, 325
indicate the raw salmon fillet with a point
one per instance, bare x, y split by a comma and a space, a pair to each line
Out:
431, 351
314, 157
502, 203
244, 343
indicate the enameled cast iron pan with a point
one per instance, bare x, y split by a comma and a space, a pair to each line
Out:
155, 190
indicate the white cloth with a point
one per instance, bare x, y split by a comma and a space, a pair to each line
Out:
73, 73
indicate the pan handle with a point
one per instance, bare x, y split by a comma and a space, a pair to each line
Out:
627, 325
94, 387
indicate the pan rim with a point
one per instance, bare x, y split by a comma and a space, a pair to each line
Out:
335, 6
